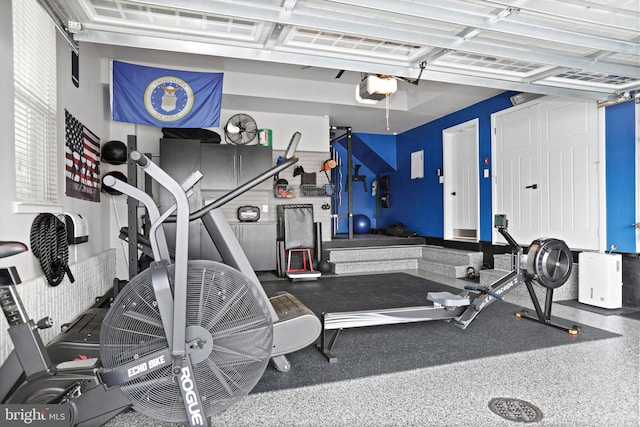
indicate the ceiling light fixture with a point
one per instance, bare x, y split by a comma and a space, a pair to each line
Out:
523, 97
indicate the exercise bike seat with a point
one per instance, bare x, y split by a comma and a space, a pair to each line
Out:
448, 299
8, 248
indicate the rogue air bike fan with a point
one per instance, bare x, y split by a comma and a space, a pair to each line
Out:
186, 340
181, 342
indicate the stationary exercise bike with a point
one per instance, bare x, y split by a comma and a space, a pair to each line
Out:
548, 262
181, 341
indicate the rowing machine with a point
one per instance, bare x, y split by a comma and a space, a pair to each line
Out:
548, 262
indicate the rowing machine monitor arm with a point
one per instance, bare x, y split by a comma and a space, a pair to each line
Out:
501, 223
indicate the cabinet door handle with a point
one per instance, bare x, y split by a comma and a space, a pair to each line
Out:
532, 186
235, 168
240, 165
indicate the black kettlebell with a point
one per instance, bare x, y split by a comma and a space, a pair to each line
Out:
471, 273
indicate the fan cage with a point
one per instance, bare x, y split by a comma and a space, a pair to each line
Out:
247, 129
219, 299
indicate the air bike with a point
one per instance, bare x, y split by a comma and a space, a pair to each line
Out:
548, 262
181, 342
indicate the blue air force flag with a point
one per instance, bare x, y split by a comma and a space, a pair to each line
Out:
165, 98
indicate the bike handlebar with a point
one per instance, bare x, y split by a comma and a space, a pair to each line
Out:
139, 158
485, 290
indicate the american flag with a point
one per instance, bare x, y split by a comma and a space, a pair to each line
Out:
82, 153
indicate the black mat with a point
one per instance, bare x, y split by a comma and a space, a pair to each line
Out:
378, 350
622, 311
635, 315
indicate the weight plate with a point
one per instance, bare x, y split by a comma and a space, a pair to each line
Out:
549, 262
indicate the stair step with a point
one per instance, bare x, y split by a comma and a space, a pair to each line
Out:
452, 256
446, 262
385, 253
503, 261
443, 269
375, 266
488, 277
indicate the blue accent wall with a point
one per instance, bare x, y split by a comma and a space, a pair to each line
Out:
620, 176
419, 203
363, 202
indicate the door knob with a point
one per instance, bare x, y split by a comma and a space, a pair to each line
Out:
453, 193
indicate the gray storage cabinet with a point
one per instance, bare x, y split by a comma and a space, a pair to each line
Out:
229, 166
258, 240
224, 168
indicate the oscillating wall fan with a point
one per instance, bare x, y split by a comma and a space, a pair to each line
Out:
240, 129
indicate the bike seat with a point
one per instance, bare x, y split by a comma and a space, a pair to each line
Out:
448, 299
11, 248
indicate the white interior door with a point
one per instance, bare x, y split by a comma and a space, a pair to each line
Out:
461, 190
515, 166
546, 171
569, 171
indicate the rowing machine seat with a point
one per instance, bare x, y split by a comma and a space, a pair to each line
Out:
448, 299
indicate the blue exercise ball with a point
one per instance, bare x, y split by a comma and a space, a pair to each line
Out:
361, 224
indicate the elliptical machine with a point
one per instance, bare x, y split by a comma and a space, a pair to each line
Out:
181, 342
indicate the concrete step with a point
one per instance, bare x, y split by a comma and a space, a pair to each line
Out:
375, 266
442, 261
449, 262
374, 259
443, 269
452, 256
503, 261
382, 253
488, 277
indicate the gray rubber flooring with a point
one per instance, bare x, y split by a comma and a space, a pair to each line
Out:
433, 374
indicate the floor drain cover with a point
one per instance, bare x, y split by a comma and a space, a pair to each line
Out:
515, 410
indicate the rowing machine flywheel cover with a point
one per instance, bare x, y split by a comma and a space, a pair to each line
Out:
549, 262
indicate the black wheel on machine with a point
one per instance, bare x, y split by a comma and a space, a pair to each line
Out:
226, 316
549, 262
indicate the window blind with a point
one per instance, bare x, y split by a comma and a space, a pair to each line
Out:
34, 59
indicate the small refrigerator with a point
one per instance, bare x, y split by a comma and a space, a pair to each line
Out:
600, 279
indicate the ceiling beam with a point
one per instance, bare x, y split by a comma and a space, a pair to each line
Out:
579, 11
347, 62
348, 25
503, 25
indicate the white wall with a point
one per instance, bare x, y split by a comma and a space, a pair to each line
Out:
92, 262
315, 139
87, 105
90, 105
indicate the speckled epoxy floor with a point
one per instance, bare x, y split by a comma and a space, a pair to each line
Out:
581, 385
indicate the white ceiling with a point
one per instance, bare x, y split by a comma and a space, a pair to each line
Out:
284, 55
